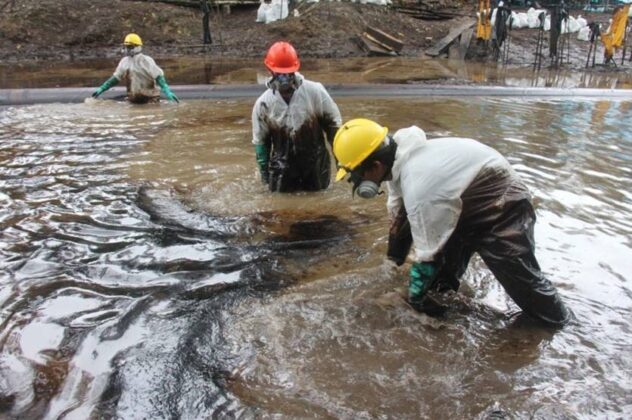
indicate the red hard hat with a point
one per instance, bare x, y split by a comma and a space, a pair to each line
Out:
282, 58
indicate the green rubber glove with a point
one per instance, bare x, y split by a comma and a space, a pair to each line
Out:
112, 81
160, 80
422, 275
262, 155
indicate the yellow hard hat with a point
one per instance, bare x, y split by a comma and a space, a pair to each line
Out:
354, 142
133, 39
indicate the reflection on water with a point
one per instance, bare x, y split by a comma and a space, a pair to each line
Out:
205, 70
145, 272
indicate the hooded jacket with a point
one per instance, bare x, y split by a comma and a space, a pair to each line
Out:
429, 178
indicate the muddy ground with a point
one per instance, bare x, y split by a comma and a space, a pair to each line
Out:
86, 29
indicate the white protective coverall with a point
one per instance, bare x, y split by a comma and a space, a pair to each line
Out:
294, 135
140, 72
460, 197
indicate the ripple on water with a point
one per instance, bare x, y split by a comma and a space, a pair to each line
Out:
146, 272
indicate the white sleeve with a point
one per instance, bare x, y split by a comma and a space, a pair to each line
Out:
121, 69
328, 106
394, 202
152, 68
432, 222
259, 127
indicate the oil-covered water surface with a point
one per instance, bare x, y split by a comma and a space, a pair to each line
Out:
145, 272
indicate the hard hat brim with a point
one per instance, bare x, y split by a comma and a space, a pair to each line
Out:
342, 172
283, 70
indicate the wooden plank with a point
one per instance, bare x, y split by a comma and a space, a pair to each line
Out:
447, 40
385, 39
375, 41
464, 43
370, 48
309, 10
299, 7
434, 13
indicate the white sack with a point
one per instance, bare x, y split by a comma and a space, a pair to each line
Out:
584, 34
275, 10
581, 21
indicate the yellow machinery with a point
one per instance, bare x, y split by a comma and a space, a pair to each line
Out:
615, 37
484, 25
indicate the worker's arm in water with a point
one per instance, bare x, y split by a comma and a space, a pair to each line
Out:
423, 275
112, 81
427, 222
160, 80
263, 156
261, 137
400, 238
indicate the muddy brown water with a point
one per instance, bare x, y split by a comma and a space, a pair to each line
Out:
207, 70
145, 272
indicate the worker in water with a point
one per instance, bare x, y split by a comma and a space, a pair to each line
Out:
450, 197
140, 72
290, 121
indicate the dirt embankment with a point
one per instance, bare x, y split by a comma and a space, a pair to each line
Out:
53, 29
83, 29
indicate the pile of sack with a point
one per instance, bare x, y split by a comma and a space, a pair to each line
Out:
273, 10
531, 19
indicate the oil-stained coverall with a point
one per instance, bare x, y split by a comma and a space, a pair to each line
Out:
294, 136
453, 197
140, 72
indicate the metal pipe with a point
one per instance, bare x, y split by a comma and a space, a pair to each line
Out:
195, 92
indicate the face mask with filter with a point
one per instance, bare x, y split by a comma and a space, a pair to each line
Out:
363, 187
284, 83
131, 50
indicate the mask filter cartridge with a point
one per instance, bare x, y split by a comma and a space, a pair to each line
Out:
368, 189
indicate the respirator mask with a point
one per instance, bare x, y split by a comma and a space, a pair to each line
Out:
131, 50
364, 188
285, 83
384, 154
